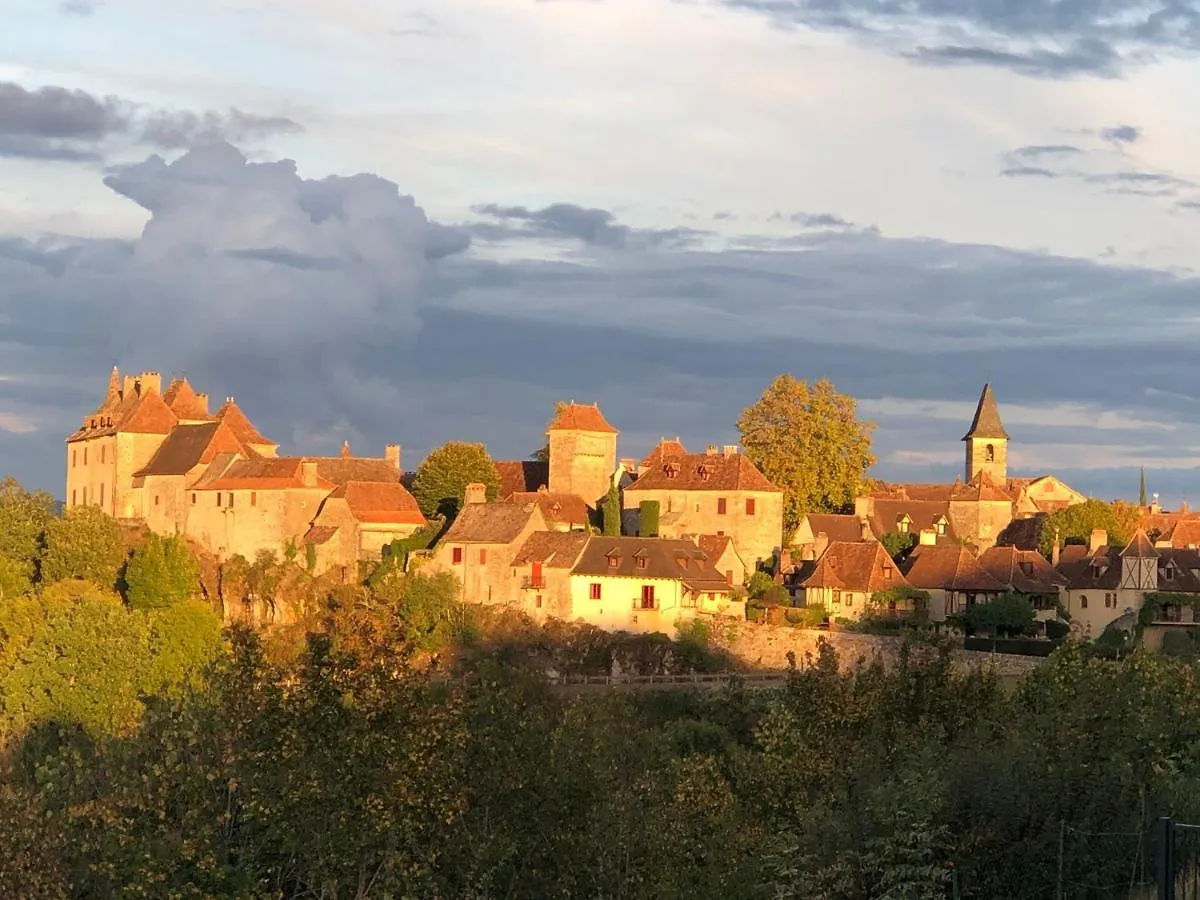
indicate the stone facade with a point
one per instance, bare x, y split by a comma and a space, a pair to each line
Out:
583, 453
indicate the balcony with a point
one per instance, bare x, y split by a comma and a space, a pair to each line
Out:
533, 583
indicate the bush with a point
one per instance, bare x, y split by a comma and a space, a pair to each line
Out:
161, 573
648, 512
1056, 630
794, 616
760, 584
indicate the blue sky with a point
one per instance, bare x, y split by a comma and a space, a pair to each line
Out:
655, 204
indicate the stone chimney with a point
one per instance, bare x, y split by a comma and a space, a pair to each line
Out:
1098, 539
731, 449
820, 544
392, 454
927, 537
308, 473
711, 450
476, 493
864, 529
128, 386
629, 464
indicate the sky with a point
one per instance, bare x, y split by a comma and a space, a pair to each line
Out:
389, 221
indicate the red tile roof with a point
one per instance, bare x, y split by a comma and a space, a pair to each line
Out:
263, 473
577, 417
667, 448
702, 472
136, 413
558, 508
380, 503
231, 414
517, 476
553, 549
319, 534
185, 402
949, 569
855, 567
1026, 571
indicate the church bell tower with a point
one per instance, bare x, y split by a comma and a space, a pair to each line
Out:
987, 441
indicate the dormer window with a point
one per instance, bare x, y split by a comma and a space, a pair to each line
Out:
671, 469
903, 523
705, 473
614, 558
887, 571
939, 525
641, 563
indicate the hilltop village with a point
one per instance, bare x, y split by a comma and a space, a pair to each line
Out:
695, 526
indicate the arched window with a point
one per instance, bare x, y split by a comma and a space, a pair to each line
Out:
989, 453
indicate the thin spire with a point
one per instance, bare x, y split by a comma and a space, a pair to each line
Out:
986, 423
345, 449
114, 387
1142, 488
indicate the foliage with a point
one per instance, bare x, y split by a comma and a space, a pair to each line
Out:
400, 549
162, 572
85, 543
1008, 614
648, 518
14, 579
808, 441
760, 582
440, 485
903, 597
612, 512
23, 519
1076, 523
1056, 630
898, 544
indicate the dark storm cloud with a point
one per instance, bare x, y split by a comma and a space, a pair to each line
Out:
597, 227
334, 309
1038, 38
55, 123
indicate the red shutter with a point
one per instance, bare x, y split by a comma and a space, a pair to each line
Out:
536, 574
720, 506
456, 554
750, 506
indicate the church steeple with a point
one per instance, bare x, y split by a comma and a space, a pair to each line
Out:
987, 441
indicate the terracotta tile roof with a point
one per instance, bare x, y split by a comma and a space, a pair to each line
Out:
578, 417
950, 569
184, 401
376, 502
666, 449
855, 566
1139, 547
519, 476
714, 545
1186, 533
986, 423
263, 473
553, 549
188, 446
923, 515
319, 534
836, 527
558, 508
650, 558
134, 413
492, 523
702, 472
1095, 571
1026, 571
342, 469
926, 493
231, 414
981, 487
1072, 553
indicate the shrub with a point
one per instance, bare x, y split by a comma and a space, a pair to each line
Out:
1056, 630
648, 518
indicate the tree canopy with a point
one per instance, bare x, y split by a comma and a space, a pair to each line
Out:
440, 485
809, 441
23, 518
85, 543
161, 573
1077, 522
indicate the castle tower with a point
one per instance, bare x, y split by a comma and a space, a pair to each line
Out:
987, 441
583, 452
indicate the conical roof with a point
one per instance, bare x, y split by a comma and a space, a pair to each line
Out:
986, 423
1140, 547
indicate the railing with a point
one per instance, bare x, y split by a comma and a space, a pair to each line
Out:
531, 583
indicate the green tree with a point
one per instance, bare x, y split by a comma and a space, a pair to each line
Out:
440, 484
85, 543
1142, 487
23, 518
810, 443
898, 544
648, 516
612, 512
1077, 522
1007, 614
160, 573
14, 579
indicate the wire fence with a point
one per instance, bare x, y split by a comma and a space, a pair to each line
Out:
1103, 865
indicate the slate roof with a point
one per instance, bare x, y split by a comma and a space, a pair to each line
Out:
578, 417
986, 423
704, 472
650, 558
1139, 547
949, 569
558, 508
1025, 571
520, 476
188, 446
714, 545
553, 549
490, 523
344, 469
1096, 571
836, 527
373, 502
855, 566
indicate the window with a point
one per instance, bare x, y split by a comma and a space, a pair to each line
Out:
72, 498
712, 597
231, 499
849, 599
641, 563
74, 458
902, 524
456, 554
254, 498
614, 561
85, 456
482, 555
102, 495
837, 597
647, 596
749, 506
218, 498
720, 506
1083, 601
594, 591
940, 526
85, 495
155, 500
989, 453
193, 499
537, 602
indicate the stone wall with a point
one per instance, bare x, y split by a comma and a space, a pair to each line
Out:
756, 536
767, 647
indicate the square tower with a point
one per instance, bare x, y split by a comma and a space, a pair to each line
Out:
987, 441
583, 453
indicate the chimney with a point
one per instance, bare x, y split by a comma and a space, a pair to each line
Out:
820, 544
128, 385
392, 454
476, 493
151, 382
202, 401
927, 538
1183, 508
1055, 551
1098, 539
629, 465
711, 451
864, 529
308, 473
731, 449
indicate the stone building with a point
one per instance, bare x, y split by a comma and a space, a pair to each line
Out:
952, 577
845, 576
718, 493
583, 453
162, 458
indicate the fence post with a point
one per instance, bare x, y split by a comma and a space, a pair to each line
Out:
1166, 859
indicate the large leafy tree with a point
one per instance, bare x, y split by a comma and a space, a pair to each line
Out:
23, 518
85, 543
161, 573
1077, 522
809, 441
440, 485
